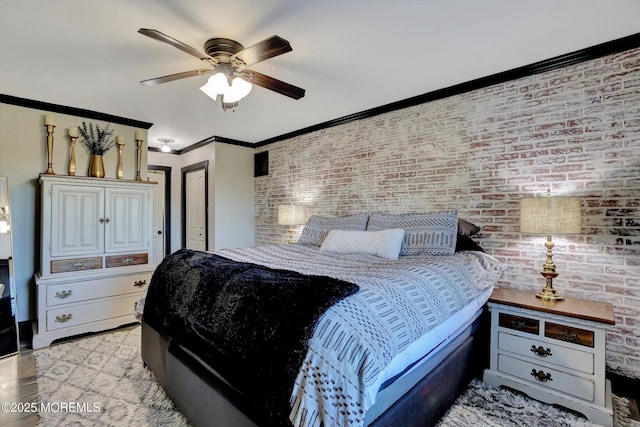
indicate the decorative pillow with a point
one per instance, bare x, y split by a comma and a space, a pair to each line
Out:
385, 243
466, 228
464, 243
318, 227
432, 233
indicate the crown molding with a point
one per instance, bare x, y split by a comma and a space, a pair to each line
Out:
72, 111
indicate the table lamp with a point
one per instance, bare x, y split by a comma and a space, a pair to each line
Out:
291, 215
550, 215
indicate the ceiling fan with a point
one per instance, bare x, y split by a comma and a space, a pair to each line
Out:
228, 60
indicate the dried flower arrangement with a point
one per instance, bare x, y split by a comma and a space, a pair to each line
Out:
98, 141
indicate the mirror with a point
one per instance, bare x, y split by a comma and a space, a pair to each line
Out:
9, 339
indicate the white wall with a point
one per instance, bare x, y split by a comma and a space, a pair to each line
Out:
231, 193
22, 158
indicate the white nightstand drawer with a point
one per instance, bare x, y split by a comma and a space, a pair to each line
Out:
65, 317
545, 352
541, 375
92, 289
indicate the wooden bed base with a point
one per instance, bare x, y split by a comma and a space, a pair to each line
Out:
207, 400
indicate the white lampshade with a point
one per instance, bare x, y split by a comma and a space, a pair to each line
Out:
550, 215
216, 85
290, 215
239, 89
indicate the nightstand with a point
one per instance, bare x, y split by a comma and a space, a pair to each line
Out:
552, 351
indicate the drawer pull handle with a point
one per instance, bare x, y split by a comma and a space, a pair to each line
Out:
64, 318
63, 294
78, 265
139, 283
541, 376
127, 260
541, 351
569, 336
518, 324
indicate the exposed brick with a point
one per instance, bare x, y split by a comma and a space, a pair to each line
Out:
575, 130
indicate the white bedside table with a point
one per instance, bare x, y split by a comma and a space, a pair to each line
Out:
552, 351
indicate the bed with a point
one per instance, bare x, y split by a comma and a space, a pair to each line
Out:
389, 335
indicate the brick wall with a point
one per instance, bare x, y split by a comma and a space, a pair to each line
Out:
575, 130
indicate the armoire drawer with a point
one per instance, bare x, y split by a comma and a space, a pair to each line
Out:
574, 385
72, 292
75, 315
548, 353
75, 264
125, 260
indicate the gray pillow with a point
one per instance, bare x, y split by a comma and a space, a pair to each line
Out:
319, 226
431, 233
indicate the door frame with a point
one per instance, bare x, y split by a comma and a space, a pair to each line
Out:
191, 168
167, 205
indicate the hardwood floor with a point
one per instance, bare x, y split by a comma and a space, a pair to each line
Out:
18, 385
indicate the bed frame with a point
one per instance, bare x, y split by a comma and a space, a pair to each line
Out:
207, 400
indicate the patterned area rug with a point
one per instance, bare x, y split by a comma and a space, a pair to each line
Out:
100, 381
486, 406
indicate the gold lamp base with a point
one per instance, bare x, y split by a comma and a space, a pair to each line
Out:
548, 293
549, 272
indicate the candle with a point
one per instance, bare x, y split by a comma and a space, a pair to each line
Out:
139, 135
73, 132
48, 120
119, 140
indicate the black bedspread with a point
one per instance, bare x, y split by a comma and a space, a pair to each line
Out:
250, 323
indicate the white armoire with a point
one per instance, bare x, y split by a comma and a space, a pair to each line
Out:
95, 253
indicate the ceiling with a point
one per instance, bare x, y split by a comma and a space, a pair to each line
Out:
349, 55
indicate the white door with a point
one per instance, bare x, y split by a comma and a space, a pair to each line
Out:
196, 225
159, 237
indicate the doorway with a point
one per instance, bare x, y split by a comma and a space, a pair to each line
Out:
194, 206
161, 211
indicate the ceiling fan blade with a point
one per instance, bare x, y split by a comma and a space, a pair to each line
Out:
157, 35
275, 85
265, 49
177, 76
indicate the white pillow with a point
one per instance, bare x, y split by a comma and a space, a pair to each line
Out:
384, 243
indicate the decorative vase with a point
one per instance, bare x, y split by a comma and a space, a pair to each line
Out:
96, 166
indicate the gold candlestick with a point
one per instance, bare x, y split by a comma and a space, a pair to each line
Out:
139, 158
119, 172
72, 157
50, 129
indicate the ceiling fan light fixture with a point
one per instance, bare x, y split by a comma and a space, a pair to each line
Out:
216, 85
166, 148
239, 89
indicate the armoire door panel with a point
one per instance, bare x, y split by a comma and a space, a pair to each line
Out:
76, 214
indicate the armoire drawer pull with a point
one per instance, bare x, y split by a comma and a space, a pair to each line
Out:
64, 318
63, 294
78, 264
541, 351
139, 283
127, 260
541, 376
